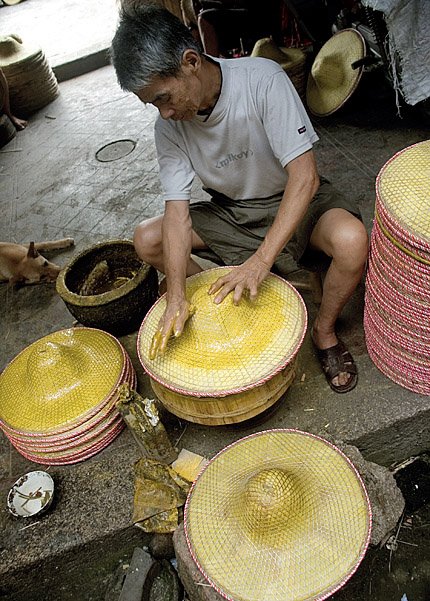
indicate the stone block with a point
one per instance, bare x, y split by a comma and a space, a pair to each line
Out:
385, 496
140, 567
195, 584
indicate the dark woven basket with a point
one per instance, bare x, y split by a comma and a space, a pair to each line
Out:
119, 311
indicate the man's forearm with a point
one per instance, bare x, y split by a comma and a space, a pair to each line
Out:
299, 191
177, 230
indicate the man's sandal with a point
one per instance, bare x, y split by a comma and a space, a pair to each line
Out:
335, 360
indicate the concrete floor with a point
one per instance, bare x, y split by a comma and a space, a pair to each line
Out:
52, 186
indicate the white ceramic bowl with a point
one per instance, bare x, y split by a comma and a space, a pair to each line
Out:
31, 494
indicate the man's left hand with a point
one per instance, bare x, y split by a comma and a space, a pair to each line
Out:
247, 276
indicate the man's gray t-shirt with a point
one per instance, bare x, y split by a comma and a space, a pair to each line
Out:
257, 127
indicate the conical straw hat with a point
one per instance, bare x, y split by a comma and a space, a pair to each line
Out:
332, 79
287, 58
12, 50
280, 515
225, 349
60, 380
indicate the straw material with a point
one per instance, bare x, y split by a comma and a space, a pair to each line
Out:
292, 60
67, 387
13, 51
397, 299
225, 349
332, 79
280, 515
58, 378
404, 190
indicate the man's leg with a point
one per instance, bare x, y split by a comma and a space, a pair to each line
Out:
5, 106
344, 238
148, 243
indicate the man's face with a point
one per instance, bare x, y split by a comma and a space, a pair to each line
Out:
176, 98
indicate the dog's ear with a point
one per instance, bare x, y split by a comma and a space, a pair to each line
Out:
32, 252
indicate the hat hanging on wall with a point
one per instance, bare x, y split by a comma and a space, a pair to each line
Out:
335, 73
278, 515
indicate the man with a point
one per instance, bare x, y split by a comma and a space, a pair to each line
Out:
240, 126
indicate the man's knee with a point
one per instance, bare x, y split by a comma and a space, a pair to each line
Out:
147, 239
350, 242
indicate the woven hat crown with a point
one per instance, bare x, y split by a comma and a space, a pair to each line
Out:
328, 70
12, 50
285, 57
225, 327
51, 357
271, 498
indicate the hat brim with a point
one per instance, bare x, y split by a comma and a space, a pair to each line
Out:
348, 46
226, 349
311, 556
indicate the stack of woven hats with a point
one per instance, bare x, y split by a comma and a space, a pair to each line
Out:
231, 362
32, 83
397, 301
57, 397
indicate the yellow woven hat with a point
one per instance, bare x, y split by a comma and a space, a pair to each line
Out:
403, 188
332, 78
60, 381
225, 349
280, 515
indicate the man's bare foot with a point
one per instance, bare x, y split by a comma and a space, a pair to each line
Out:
20, 124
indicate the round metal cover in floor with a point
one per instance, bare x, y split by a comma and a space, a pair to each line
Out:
115, 150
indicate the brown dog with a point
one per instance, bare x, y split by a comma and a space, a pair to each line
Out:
22, 262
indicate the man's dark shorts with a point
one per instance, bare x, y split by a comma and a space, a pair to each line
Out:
233, 230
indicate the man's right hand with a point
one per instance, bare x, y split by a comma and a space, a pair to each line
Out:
173, 321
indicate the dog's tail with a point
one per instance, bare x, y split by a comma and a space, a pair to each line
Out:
53, 244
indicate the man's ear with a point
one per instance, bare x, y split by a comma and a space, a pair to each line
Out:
32, 252
191, 60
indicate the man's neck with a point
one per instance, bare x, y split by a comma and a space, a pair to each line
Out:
212, 83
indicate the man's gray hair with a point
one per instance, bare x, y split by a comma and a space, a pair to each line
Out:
149, 42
